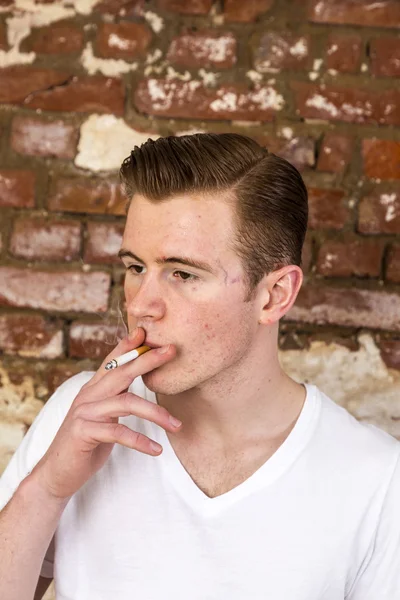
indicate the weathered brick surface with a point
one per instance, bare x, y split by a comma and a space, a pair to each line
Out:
122, 40
39, 137
336, 152
343, 52
327, 209
349, 104
393, 264
90, 196
356, 12
195, 7
246, 12
93, 340
54, 290
381, 158
193, 99
390, 353
31, 336
348, 257
347, 307
17, 188
306, 257
281, 51
40, 239
385, 57
206, 48
20, 82
103, 242
126, 8
298, 150
95, 94
3, 37
58, 38
379, 213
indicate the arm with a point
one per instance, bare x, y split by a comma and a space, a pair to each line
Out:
27, 525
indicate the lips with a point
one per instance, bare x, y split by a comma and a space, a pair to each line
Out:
151, 344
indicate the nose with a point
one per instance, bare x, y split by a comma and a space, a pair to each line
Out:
146, 300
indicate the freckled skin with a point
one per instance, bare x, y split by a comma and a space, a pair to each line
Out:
207, 320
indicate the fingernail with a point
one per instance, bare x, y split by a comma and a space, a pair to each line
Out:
163, 349
175, 422
133, 333
155, 447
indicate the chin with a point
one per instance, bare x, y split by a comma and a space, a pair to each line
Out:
165, 383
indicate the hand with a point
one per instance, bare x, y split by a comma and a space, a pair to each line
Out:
91, 428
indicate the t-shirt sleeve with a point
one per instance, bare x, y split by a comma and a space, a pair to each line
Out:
380, 575
36, 443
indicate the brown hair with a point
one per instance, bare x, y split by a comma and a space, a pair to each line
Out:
270, 195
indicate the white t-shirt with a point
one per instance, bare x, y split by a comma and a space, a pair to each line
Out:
320, 520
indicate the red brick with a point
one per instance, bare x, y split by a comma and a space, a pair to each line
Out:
348, 257
192, 99
91, 196
123, 40
57, 373
206, 48
94, 340
347, 307
281, 50
379, 213
54, 290
353, 105
390, 353
385, 57
17, 188
194, 7
299, 150
30, 335
343, 52
95, 94
3, 37
393, 264
19, 82
104, 242
127, 8
381, 159
306, 255
356, 12
57, 38
336, 152
40, 239
326, 209
40, 137
245, 12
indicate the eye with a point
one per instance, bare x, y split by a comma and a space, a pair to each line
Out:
135, 269
185, 276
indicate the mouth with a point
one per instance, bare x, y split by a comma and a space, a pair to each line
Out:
150, 344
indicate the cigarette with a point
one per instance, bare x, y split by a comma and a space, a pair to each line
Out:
127, 357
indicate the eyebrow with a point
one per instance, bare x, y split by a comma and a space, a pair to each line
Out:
182, 260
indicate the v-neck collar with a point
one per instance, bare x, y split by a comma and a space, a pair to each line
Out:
265, 475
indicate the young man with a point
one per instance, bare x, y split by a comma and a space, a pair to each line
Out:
264, 488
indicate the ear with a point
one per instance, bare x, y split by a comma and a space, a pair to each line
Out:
278, 293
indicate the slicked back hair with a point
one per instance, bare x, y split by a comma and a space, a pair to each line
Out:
269, 195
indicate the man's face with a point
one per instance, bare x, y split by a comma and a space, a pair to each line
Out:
200, 310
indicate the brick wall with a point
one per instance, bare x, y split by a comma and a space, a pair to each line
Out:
82, 82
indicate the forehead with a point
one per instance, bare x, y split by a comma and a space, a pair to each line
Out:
191, 222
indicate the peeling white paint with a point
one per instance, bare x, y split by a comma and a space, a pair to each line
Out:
300, 48
110, 67
286, 132
254, 76
320, 102
358, 380
389, 201
115, 41
172, 74
332, 49
209, 78
105, 141
153, 57
154, 20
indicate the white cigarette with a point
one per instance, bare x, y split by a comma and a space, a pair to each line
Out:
125, 358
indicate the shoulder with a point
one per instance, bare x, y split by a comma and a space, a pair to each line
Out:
358, 446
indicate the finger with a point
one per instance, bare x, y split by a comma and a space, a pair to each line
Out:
125, 345
125, 405
118, 380
96, 433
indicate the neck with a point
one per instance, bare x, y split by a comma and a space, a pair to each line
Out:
253, 400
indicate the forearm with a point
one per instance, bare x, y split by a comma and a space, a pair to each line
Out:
27, 525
